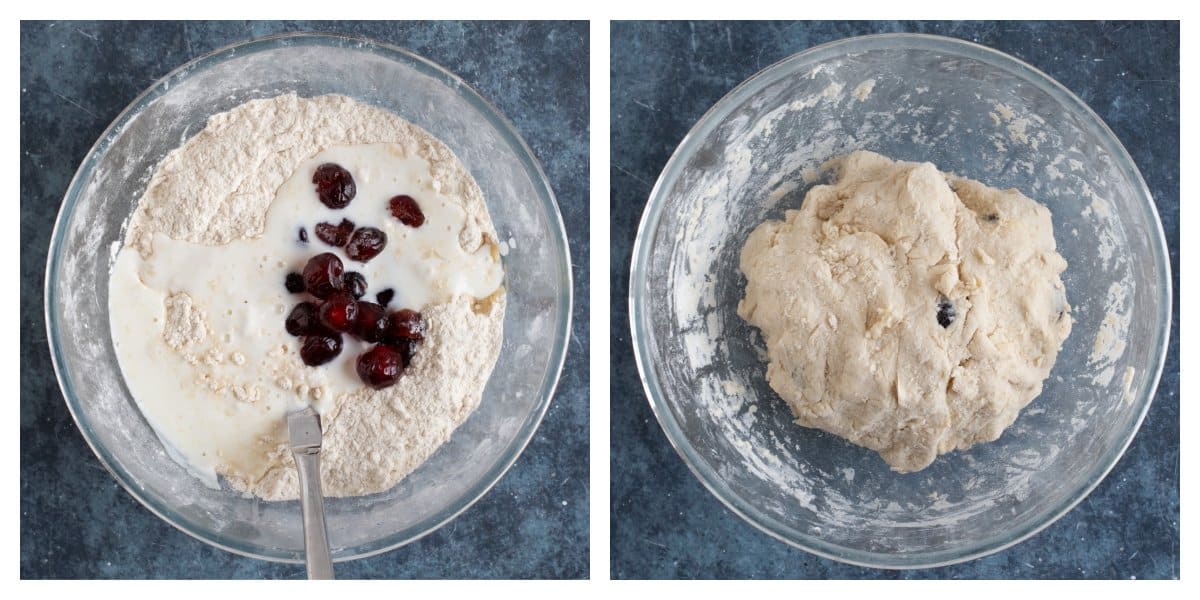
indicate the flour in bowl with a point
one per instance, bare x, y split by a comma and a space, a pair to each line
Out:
209, 281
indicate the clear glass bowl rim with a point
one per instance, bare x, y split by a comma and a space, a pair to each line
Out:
545, 195
648, 227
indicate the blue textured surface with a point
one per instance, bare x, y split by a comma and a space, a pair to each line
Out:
76, 522
664, 76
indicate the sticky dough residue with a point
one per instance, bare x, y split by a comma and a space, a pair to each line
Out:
863, 90
1110, 342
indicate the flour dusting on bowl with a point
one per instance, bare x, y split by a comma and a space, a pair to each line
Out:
755, 155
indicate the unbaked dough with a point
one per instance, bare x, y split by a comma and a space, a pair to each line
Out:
907, 310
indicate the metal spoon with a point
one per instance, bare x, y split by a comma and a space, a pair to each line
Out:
304, 436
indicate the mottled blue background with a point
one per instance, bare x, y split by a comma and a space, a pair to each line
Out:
75, 520
664, 76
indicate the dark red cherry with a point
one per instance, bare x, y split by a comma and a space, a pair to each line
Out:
335, 235
339, 312
405, 209
406, 324
303, 320
335, 185
380, 367
317, 350
366, 243
323, 275
371, 324
945, 312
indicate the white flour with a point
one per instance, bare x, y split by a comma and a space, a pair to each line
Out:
217, 188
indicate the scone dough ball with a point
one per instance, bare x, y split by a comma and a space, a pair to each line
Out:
907, 310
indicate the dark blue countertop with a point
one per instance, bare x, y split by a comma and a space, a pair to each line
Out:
664, 76
76, 522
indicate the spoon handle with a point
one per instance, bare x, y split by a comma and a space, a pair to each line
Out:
312, 508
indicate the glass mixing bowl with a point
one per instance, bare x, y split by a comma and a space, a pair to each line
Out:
112, 178
969, 110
